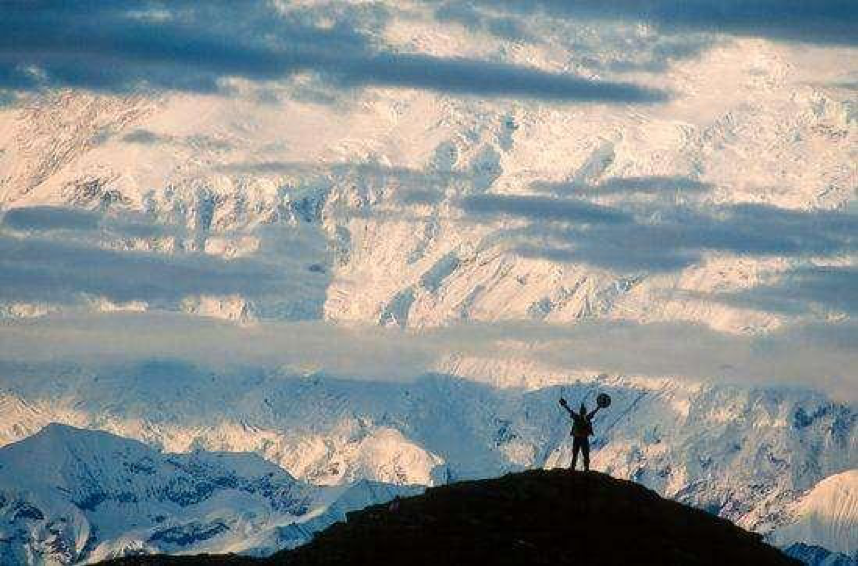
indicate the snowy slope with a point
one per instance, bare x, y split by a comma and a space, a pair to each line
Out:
69, 495
826, 516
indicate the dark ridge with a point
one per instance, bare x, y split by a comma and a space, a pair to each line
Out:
536, 517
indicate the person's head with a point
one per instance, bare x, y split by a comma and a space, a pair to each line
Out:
583, 409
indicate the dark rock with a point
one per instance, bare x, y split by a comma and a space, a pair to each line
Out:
537, 517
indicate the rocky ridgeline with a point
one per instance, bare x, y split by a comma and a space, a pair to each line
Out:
535, 517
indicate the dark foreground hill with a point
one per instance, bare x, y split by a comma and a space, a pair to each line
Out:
537, 517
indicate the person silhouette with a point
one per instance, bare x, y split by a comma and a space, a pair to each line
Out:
582, 429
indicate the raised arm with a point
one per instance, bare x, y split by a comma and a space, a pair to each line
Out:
566, 406
593, 412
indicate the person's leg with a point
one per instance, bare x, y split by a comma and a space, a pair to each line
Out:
576, 447
585, 449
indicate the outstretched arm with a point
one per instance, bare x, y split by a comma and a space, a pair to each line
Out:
566, 406
593, 412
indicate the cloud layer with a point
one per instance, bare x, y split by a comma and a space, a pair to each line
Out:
804, 289
655, 185
62, 256
662, 236
36, 269
808, 357
122, 46
543, 208
827, 22
50, 218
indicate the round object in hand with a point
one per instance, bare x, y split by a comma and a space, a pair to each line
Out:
603, 400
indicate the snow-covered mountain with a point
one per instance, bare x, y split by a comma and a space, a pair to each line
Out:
827, 516
396, 284
69, 495
304, 210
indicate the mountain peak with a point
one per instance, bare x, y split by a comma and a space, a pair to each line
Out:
63, 438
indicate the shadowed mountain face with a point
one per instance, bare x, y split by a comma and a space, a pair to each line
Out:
536, 517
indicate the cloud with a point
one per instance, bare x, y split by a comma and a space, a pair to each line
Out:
612, 255
799, 356
144, 137
821, 21
799, 290
542, 208
40, 269
489, 79
68, 258
47, 219
365, 352
665, 238
655, 184
42, 218
421, 196
122, 46
816, 357
826, 22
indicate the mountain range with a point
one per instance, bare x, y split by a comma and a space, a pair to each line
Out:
377, 286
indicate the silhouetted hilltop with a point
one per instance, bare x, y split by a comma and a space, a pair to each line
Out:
535, 517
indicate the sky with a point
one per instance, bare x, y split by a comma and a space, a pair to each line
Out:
597, 70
